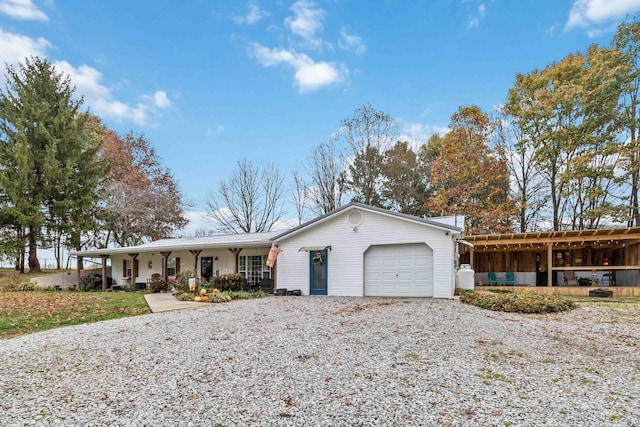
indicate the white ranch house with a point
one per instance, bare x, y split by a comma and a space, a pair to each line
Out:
356, 250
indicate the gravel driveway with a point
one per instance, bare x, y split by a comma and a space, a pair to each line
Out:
328, 361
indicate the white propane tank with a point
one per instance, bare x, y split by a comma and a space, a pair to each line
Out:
465, 277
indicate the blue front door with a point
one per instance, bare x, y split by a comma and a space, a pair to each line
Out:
318, 272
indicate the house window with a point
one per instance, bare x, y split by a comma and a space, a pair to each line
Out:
173, 266
128, 267
254, 268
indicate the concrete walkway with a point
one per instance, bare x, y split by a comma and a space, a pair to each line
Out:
167, 302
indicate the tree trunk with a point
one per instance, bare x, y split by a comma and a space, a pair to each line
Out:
58, 251
34, 264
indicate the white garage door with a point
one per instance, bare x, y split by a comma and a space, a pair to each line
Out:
399, 271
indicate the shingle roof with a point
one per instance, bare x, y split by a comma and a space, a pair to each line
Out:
220, 241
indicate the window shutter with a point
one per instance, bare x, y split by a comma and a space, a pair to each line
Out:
124, 268
177, 265
135, 269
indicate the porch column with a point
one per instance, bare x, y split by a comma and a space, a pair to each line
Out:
104, 272
134, 270
165, 261
550, 264
196, 253
471, 257
236, 252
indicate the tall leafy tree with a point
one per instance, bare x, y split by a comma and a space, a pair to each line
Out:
142, 200
402, 186
368, 134
469, 178
627, 42
568, 111
46, 157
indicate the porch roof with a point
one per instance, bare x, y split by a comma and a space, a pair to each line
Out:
566, 239
246, 240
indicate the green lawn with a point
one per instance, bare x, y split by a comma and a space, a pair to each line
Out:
27, 312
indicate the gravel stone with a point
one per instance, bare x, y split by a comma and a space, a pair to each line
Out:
328, 361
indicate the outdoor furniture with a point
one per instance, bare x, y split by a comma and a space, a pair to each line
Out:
493, 279
570, 278
266, 285
510, 279
607, 279
584, 281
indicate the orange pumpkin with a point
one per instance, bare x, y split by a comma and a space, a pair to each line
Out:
204, 298
216, 291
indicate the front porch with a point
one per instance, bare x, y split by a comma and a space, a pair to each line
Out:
557, 262
202, 258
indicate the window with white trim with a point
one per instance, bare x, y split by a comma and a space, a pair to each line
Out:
254, 268
171, 267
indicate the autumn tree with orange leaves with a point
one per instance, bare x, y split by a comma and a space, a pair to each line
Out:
468, 178
142, 200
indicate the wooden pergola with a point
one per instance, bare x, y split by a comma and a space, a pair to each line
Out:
608, 249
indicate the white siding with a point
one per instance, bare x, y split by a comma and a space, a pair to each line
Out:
345, 261
224, 264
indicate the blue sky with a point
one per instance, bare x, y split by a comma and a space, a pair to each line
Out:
212, 82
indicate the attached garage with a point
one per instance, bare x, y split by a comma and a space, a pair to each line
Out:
360, 250
404, 270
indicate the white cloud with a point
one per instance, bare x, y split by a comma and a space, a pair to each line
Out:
309, 75
418, 133
253, 16
351, 42
586, 13
161, 100
22, 9
475, 19
198, 221
306, 21
100, 98
14, 48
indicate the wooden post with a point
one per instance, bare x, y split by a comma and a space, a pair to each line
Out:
165, 261
78, 270
134, 272
104, 272
549, 264
196, 253
471, 257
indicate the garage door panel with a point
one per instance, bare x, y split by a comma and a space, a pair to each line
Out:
405, 276
388, 276
387, 263
401, 270
406, 262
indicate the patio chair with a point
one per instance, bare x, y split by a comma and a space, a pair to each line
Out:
607, 279
510, 279
570, 278
266, 285
493, 279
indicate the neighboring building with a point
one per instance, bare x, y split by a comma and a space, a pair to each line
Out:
356, 250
